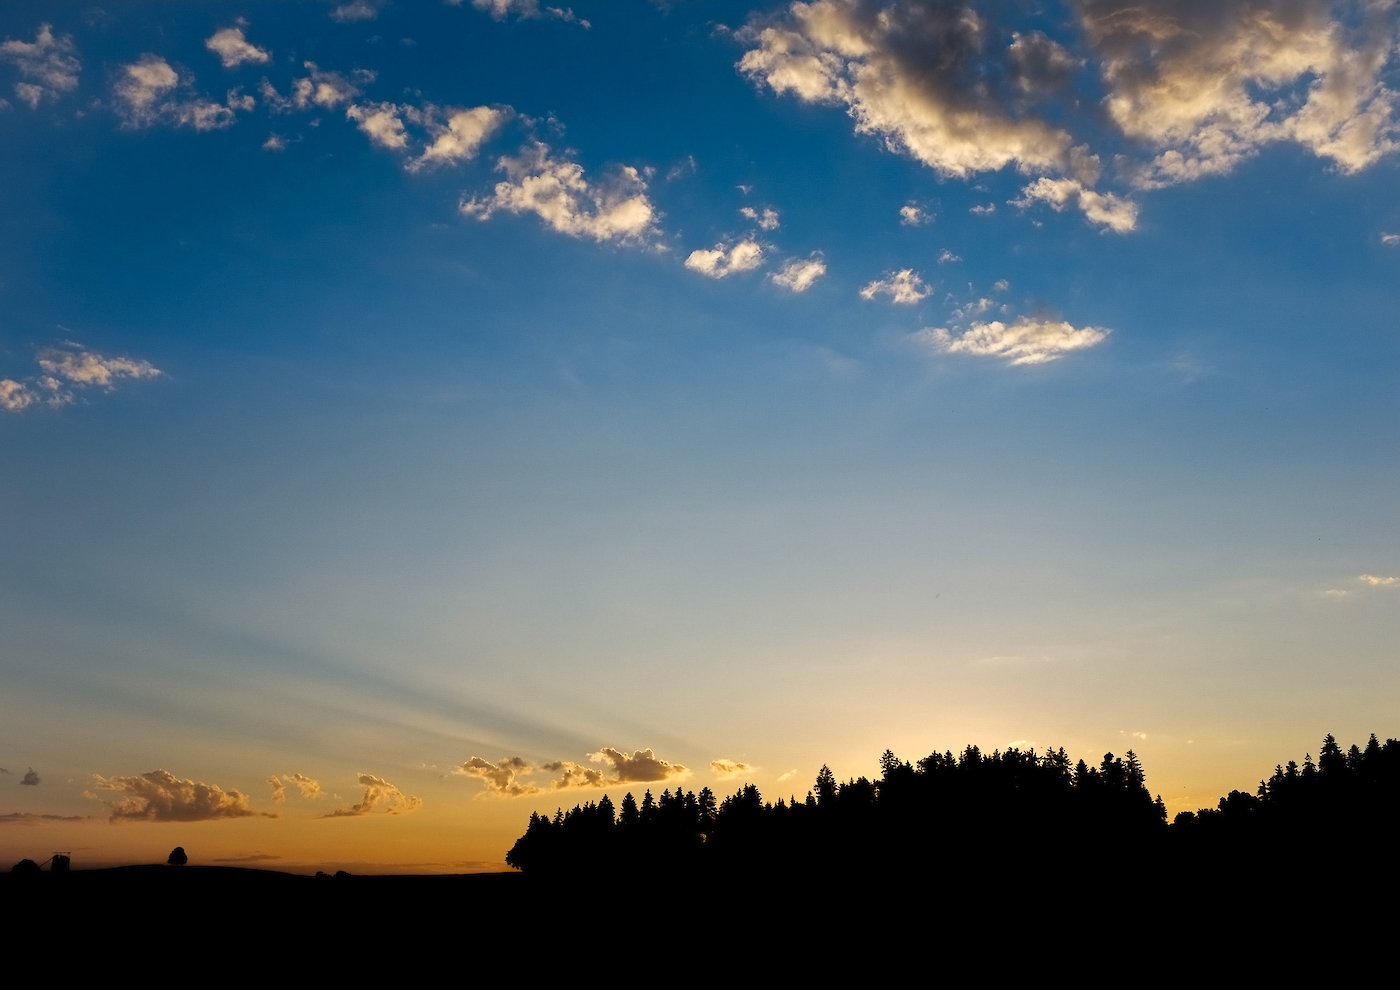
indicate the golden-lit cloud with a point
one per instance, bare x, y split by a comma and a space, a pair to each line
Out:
501, 777
914, 215
1027, 340
1114, 213
1379, 581
318, 89
48, 65
65, 370
643, 765
382, 123
904, 287
800, 274
1208, 84
725, 769
306, 786
160, 796
150, 91
721, 261
556, 190
380, 796
575, 775
234, 49
458, 133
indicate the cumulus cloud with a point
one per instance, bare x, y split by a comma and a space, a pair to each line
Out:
308, 787
382, 123
317, 89
575, 775
946, 257
800, 274
904, 287
938, 81
48, 65
982, 209
159, 796
501, 777
380, 795
1110, 212
234, 49
1027, 340
150, 91
524, 9
726, 769
1207, 84
458, 133
65, 370
31, 778
643, 765
556, 190
1379, 580
766, 218
719, 261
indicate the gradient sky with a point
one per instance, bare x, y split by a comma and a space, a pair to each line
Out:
414, 415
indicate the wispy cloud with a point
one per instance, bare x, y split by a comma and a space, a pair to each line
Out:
150, 91
1027, 340
48, 65
318, 89
726, 769
356, 11
904, 287
160, 796
501, 777
525, 9
914, 215
66, 370
557, 191
380, 796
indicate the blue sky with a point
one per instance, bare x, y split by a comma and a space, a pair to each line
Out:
416, 415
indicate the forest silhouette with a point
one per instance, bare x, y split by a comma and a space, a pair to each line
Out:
976, 823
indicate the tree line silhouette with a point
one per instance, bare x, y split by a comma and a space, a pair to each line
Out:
973, 817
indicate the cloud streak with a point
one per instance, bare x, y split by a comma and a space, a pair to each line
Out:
65, 370
1027, 340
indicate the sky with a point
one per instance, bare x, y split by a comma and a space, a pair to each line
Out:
416, 415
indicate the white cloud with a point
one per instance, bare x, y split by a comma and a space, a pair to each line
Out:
1390, 239
767, 218
556, 190
67, 368
458, 137
800, 274
159, 796
380, 795
904, 287
524, 9
1111, 212
275, 142
946, 257
234, 49
501, 777
382, 123
49, 65
983, 209
1207, 84
150, 91
1028, 340
326, 90
914, 215
719, 261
